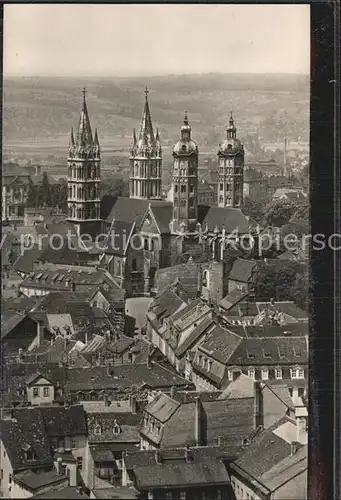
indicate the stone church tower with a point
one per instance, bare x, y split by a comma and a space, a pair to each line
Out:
185, 181
84, 161
146, 160
230, 169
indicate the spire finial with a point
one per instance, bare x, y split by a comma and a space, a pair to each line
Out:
186, 118
146, 91
231, 118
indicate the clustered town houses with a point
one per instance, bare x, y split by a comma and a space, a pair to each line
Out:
149, 371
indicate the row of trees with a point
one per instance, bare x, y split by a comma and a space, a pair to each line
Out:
47, 194
277, 213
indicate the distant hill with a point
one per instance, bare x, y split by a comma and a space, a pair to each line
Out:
270, 105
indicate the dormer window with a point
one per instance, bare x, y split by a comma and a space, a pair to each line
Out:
252, 373
230, 375
98, 430
278, 373
117, 429
265, 373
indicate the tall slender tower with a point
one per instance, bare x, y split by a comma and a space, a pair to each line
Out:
185, 180
146, 160
84, 161
230, 169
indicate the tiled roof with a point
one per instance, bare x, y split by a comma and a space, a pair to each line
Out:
194, 336
229, 218
187, 274
9, 320
128, 210
162, 407
232, 299
27, 429
288, 468
165, 304
267, 445
242, 270
242, 387
163, 214
123, 376
220, 344
184, 474
117, 492
24, 263
70, 492
270, 351
118, 237
36, 480
64, 421
105, 423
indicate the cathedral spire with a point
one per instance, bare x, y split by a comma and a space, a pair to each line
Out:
84, 134
146, 132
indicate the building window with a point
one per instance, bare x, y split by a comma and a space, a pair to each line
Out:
73, 444
300, 373
146, 245
182, 495
10, 479
278, 373
133, 265
265, 374
230, 375
183, 188
79, 463
191, 188
297, 373
1, 474
97, 430
175, 188
221, 199
251, 373
46, 392
169, 495
35, 392
221, 187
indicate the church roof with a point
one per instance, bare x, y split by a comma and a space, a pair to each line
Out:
128, 210
230, 218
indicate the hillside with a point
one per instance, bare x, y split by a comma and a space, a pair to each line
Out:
41, 111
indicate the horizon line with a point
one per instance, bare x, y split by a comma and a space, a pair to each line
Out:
15, 75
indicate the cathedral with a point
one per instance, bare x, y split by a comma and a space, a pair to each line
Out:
168, 231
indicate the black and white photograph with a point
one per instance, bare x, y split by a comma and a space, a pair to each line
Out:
155, 251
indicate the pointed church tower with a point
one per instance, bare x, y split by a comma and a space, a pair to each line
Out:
84, 160
145, 160
185, 180
230, 169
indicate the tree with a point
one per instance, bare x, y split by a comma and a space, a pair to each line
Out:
254, 208
281, 281
278, 212
115, 186
47, 200
32, 194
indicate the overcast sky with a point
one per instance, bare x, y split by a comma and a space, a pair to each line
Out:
142, 40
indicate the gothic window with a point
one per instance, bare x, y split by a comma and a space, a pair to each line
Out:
221, 187
221, 199
205, 279
191, 188
175, 188
183, 188
133, 265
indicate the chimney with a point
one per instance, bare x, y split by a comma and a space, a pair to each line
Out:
158, 458
106, 400
301, 430
257, 406
198, 421
188, 454
40, 333
294, 448
133, 405
172, 391
20, 355
59, 466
